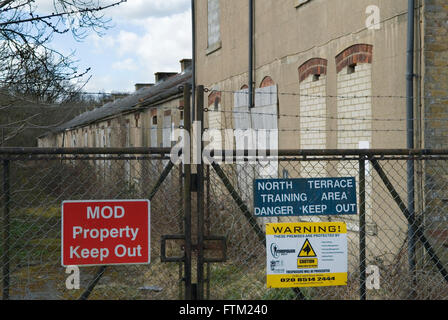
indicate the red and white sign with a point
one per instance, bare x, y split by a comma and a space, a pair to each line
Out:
105, 232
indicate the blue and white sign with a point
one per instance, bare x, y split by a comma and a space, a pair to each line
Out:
305, 197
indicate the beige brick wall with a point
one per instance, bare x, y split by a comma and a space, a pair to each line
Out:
313, 111
354, 106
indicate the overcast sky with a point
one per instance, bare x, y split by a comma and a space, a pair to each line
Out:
148, 36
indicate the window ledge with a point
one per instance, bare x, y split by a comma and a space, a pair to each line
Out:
213, 48
298, 3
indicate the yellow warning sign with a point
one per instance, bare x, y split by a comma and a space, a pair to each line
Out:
306, 254
307, 250
306, 280
307, 257
307, 263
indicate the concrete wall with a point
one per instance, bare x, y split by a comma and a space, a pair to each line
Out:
334, 35
287, 35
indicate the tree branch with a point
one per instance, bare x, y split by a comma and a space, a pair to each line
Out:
60, 14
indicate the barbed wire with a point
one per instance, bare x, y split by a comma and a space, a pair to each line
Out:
317, 96
84, 128
322, 116
317, 130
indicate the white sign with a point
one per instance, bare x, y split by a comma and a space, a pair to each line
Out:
306, 254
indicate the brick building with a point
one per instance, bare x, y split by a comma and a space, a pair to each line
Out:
328, 75
145, 118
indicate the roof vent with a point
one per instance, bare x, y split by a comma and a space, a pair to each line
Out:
161, 76
185, 64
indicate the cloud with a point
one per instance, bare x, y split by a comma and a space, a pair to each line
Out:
129, 11
137, 10
100, 83
101, 44
162, 43
166, 40
147, 36
125, 65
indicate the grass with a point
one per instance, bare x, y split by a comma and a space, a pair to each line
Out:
36, 272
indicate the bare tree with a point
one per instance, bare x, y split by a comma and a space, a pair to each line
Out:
28, 64
39, 86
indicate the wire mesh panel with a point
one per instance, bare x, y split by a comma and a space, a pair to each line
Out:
31, 243
380, 262
383, 262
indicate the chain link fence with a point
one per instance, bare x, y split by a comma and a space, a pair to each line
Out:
31, 229
385, 228
34, 187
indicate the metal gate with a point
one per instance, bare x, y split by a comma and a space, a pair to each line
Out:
381, 262
36, 181
206, 241
394, 253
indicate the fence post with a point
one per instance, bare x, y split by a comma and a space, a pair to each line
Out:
6, 229
187, 197
207, 208
181, 226
200, 194
362, 228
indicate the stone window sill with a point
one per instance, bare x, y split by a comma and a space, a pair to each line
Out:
298, 3
213, 48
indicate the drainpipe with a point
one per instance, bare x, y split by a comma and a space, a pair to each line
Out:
251, 54
193, 60
410, 139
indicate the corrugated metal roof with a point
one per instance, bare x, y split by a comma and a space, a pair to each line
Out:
144, 97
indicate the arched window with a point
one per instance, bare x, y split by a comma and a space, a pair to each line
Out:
354, 55
354, 91
214, 100
215, 119
354, 108
313, 112
315, 67
267, 82
153, 131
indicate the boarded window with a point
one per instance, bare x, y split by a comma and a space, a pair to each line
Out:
153, 130
215, 124
263, 121
167, 127
127, 163
261, 118
214, 30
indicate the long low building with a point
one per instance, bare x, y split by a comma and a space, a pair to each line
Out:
144, 118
